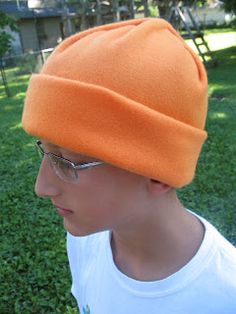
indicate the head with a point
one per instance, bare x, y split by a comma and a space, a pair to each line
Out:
131, 94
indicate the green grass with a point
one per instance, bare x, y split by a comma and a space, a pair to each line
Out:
216, 40
213, 192
34, 271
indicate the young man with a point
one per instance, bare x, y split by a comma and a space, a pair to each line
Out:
120, 112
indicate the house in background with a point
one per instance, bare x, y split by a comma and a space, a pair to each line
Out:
40, 26
212, 13
43, 24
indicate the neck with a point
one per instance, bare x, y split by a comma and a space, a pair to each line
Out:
159, 244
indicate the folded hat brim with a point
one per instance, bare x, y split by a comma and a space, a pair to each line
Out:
99, 123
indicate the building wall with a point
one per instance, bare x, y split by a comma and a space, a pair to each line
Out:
40, 33
209, 16
28, 35
51, 30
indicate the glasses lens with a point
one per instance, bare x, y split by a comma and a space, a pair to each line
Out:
63, 168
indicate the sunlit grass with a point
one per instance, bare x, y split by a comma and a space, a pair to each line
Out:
216, 41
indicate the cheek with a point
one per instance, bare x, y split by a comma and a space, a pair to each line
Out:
103, 199
94, 211
100, 200
94, 196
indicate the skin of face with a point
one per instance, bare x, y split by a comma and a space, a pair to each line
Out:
104, 198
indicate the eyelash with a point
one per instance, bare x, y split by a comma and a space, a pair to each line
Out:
75, 162
80, 163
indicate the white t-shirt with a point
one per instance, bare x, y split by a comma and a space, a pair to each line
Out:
206, 285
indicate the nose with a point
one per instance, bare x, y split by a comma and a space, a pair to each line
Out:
47, 183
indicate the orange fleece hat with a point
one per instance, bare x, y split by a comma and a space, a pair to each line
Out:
130, 93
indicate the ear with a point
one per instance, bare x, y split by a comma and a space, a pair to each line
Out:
158, 188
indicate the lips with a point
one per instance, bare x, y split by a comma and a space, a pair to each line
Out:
63, 211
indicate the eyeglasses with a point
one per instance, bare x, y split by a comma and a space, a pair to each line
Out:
64, 168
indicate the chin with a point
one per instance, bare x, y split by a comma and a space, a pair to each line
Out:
77, 231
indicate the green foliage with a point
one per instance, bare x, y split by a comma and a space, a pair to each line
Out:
230, 5
153, 11
5, 38
233, 23
165, 6
34, 271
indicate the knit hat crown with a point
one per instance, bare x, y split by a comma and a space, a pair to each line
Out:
130, 93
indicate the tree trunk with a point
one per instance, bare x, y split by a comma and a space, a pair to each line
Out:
164, 8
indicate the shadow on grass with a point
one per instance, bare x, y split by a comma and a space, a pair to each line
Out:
217, 30
226, 62
16, 86
222, 84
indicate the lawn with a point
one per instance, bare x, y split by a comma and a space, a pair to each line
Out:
217, 40
34, 272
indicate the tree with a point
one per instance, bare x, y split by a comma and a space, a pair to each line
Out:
165, 6
5, 37
230, 6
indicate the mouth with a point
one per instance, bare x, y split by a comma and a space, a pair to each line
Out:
63, 211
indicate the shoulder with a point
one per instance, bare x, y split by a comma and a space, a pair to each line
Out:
218, 255
223, 263
225, 251
217, 242
226, 256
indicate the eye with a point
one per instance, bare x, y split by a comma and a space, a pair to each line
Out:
54, 159
76, 162
81, 163
71, 159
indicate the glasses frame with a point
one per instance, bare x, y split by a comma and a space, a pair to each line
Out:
74, 166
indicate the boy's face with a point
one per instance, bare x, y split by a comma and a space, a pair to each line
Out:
103, 198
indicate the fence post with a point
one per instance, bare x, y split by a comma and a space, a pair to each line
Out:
4, 79
42, 56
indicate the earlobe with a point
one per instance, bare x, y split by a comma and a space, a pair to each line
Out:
157, 187
153, 180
